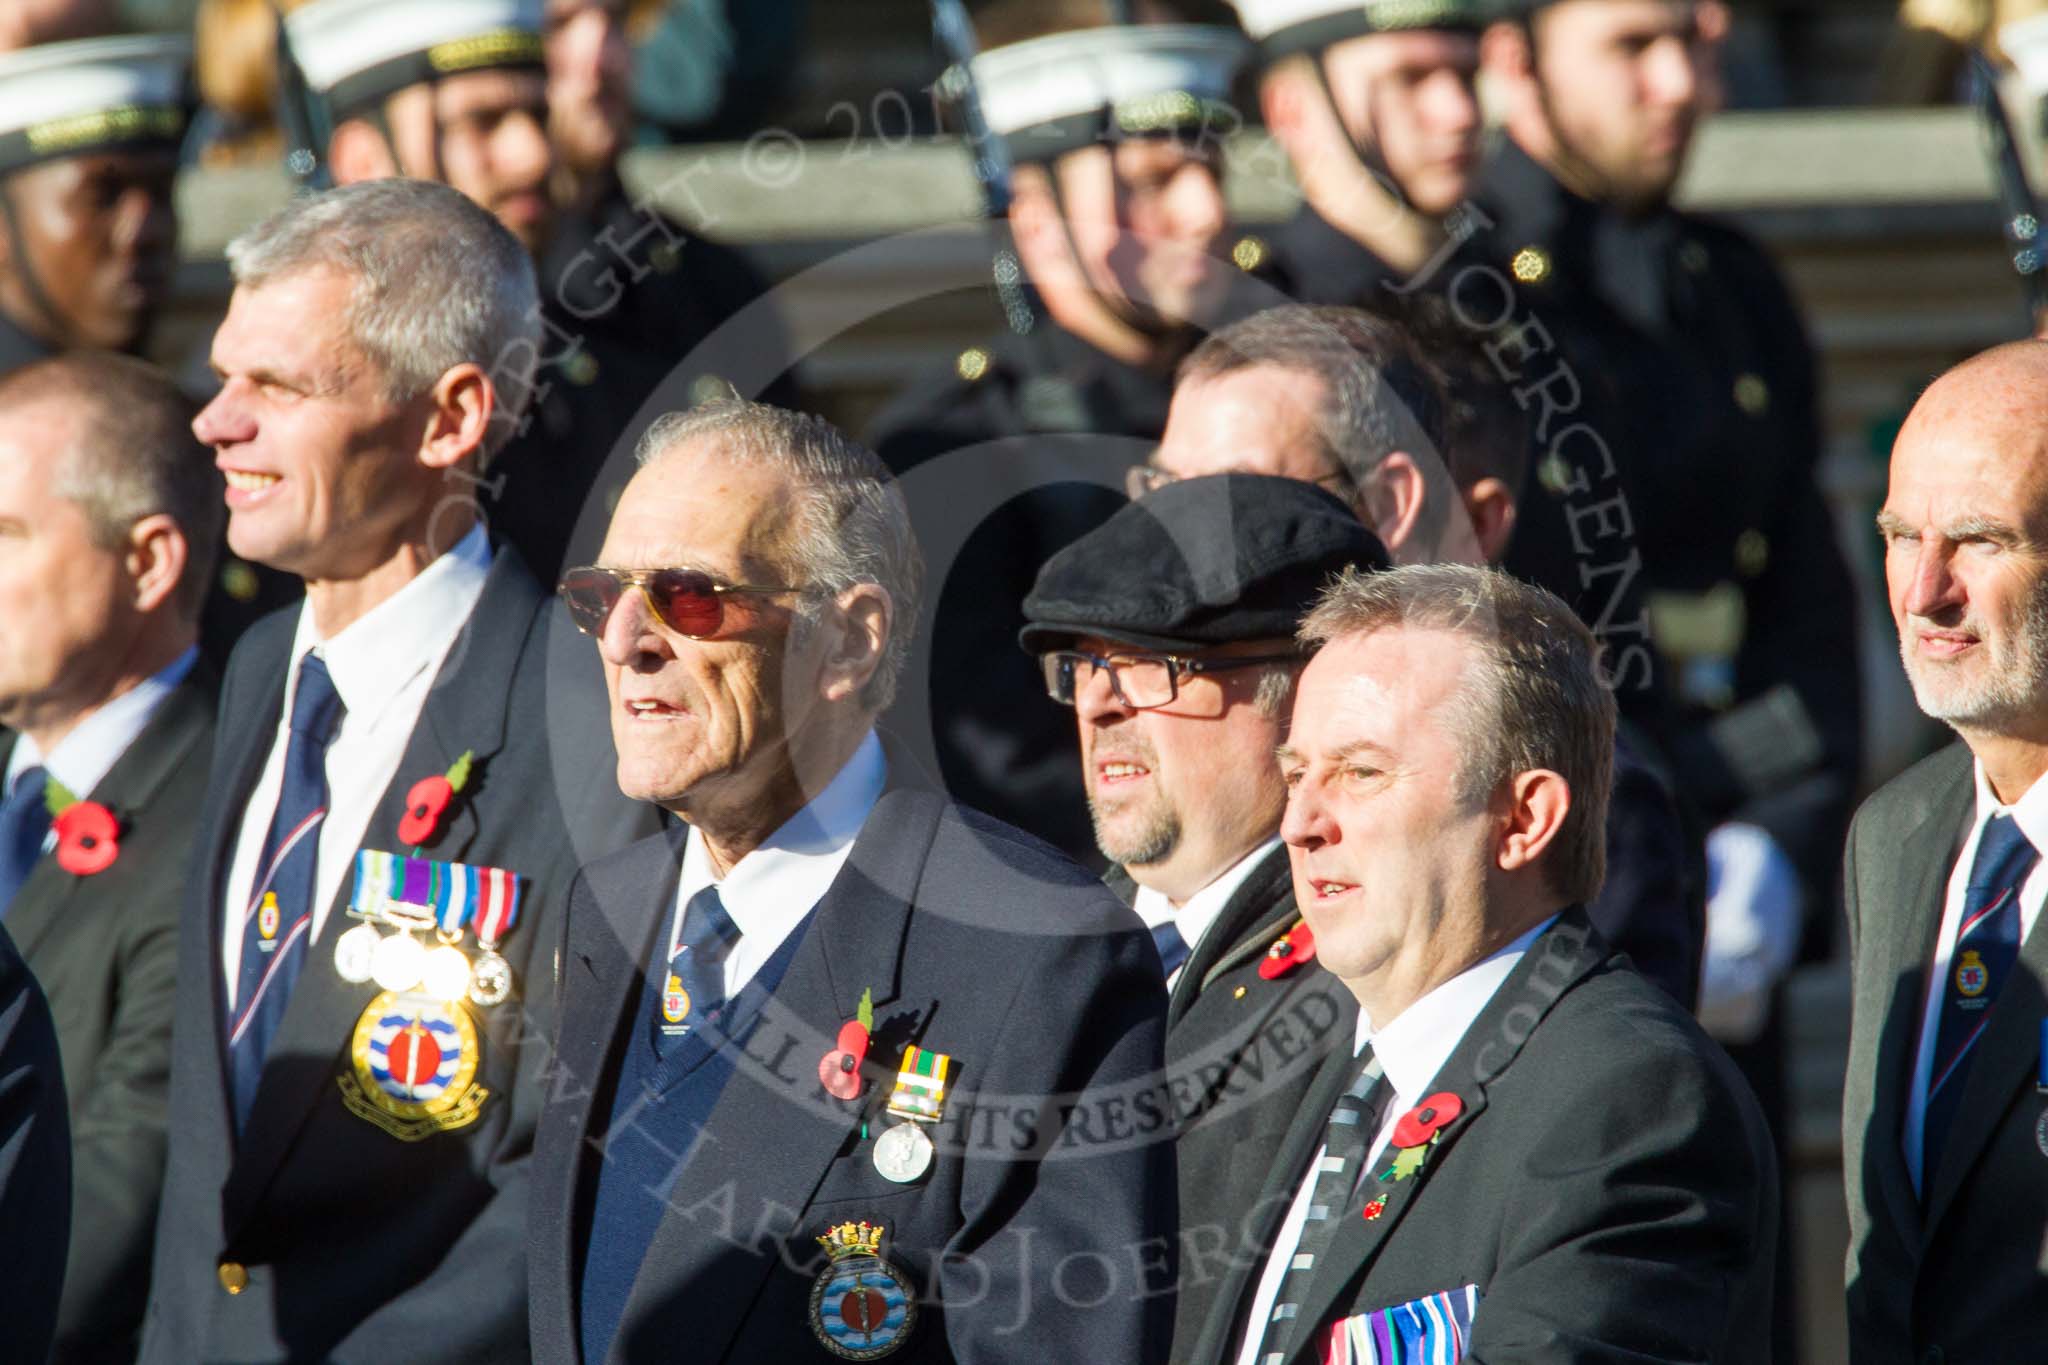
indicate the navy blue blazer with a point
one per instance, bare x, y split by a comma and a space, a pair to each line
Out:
1043, 1230
35, 1164
320, 1236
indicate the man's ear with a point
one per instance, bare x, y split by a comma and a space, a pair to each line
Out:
1280, 101
1491, 507
1391, 498
460, 417
857, 640
1035, 227
1536, 805
358, 152
157, 555
1504, 51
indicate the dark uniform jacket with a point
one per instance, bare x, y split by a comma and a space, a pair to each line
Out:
35, 1163
1013, 456
1607, 1191
1043, 1229
639, 317
320, 1235
1241, 1050
1692, 366
105, 948
1961, 1274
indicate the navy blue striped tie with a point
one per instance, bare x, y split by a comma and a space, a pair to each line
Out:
279, 916
1987, 947
1347, 1141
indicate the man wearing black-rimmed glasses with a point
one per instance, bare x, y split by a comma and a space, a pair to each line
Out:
1169, 631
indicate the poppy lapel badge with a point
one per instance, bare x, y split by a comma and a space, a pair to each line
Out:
88, 835
1290, 950
1416, 1133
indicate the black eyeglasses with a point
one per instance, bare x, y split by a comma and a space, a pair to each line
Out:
688, 601
1140, 681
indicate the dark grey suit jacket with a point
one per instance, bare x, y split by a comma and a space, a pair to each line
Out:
1609, 1187
35, 1164
359, 1246
1044, 1229
105, 948
1241, 1051
1963, 1274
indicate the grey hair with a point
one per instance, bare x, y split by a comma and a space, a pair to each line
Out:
135, 457
1275, 690
1532, 699
851, 523
1380, 392
436, 282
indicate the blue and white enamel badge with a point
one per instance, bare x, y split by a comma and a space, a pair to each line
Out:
415, 1063
862, 1308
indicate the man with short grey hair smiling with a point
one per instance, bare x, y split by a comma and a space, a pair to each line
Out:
384, 857
1529, 1152
843, 1067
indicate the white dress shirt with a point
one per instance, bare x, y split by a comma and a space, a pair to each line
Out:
1194, 918
96, 744
771, 890
1411, 1050
2030, 813
383, 665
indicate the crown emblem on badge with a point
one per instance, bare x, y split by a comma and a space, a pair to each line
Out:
852, 1239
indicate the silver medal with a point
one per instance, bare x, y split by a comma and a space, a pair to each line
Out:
354, 953
398, 962
490, 979
904, 1153
445, 973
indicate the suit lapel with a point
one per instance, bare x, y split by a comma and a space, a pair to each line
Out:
1898, 977
1226, 1324
464, 710
1553, 965
769, 1143
1226, 943
166, 743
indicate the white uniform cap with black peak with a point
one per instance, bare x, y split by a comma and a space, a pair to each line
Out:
356, 52
2026, 44
94, 95
1284, 27
1050, 95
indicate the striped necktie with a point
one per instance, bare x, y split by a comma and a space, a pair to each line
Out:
1347, 1140
1987, 947
279, 917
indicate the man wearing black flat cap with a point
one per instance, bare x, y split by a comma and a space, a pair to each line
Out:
1169, 630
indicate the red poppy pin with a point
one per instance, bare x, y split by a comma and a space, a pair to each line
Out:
429, 800
1415, 1133
88, 835
1287, 953
839, 1069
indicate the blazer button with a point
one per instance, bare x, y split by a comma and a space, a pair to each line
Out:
234, 1276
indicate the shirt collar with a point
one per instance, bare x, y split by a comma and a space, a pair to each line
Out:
1194, 918
778, 883
1414, 1046
2030, 812
376, 655
96, 744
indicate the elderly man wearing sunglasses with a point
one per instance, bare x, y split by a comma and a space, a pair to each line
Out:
839, 1061
396, 811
